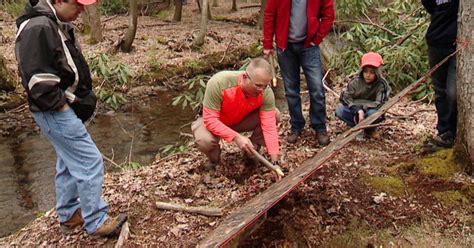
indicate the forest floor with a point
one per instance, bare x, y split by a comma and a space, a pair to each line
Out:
394, 190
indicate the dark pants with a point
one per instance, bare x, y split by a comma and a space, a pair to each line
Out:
290, 60
444, 82
345, 114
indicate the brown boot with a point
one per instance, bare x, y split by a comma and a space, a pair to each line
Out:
210, 166
323, 138
75, 221
111, 227
373, 134
293, 136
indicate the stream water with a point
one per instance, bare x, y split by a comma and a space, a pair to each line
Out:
28, 160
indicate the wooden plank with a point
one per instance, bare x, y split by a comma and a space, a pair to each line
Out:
244, 217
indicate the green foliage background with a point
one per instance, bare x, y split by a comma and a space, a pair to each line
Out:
13, 7
112, 7
367, 25
115, 77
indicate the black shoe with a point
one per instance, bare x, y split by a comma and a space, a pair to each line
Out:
445, 139
293, 136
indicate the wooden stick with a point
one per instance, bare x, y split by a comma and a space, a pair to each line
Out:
227, 49
250, 6
197, 210
267, 163
111, 161
272, 63
326, 87
123, 235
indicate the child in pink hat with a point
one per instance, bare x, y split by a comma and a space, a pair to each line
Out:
364, 94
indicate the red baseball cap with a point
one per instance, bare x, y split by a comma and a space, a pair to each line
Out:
372, 59
87, 2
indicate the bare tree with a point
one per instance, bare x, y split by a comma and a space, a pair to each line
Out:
199, 41
92, 20
464, 148
178, 10
234, 5
7, 82
126, 45
199, 3
260, 17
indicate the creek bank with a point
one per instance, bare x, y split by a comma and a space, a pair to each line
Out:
320, 210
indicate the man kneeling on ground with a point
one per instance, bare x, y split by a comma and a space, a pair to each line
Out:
235, 102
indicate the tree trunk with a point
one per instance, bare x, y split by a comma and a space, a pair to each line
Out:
464, 148
260, 17
234, 5
126, 45
178, 10
7, 81
209, 15
199, 41
215, 3
93, 20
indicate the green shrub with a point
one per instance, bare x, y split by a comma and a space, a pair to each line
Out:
112, 7
169, 150
115, 76
349, 8
393, 23
194, 94
13, 7
111, 98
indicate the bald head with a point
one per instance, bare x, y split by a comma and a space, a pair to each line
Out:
258, 66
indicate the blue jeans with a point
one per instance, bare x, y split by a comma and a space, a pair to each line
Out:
345, 114
79, 168
444, 82
290, 60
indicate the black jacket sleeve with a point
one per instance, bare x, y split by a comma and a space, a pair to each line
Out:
37, 48
429, 5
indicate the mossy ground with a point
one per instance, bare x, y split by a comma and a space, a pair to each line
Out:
358, 235
434, 174
451, 198
436, 177
422, 235
439, 165
389, 184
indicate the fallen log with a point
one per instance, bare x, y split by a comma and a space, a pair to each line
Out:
208, 211
243, 218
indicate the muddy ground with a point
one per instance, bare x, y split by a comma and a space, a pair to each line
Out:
390, 191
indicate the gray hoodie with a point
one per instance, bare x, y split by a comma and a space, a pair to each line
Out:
360, 95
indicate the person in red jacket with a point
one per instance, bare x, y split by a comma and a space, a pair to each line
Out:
234, 102
299, 26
